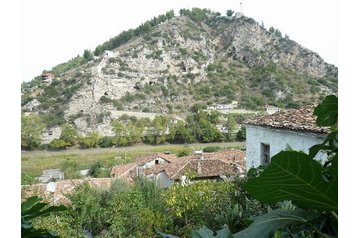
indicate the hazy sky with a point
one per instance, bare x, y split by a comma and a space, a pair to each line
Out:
53, 31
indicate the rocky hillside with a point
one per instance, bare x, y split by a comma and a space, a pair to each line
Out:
176, 63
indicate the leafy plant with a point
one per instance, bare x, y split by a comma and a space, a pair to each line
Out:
33, 208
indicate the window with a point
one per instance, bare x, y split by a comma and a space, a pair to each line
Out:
156, 161
265, 154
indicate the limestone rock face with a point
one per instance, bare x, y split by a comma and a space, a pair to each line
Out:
251, 43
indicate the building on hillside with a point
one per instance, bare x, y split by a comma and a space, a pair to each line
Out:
49, 135
271, 109
165, 169
268, 135
47, 77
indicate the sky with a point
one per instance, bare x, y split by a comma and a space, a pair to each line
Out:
55, 31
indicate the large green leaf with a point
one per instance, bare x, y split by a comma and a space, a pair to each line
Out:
294, 176
266, 225
327, 111
204, 232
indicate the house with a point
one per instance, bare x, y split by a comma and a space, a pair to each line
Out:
47, 77
50, 134
268, 135
165, 169
271, 109
50, 174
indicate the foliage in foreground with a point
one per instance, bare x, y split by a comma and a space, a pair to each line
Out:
137, 210
33, 208
313, 191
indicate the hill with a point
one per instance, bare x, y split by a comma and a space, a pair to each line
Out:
172, 63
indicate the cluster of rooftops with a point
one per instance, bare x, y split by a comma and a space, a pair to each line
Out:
201, 165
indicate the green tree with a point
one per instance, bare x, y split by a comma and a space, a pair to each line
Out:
229, 13
31, 129
88, 55
121, 137
69, 134
231, 126
91, 140
241, 134
180, 133
157, 133
57, 144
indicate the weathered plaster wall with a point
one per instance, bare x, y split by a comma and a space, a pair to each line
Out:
278, 140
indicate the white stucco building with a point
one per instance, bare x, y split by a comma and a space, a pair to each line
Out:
268, 135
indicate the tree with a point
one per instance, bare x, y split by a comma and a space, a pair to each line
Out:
229, 13
88, 55
31, 129
231, 126
157, 132
241, 134
272, 30
69, 134
121, 137
180, 133
91, 140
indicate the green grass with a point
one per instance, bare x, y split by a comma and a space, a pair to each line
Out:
34, 162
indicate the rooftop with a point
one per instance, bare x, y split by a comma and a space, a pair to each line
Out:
301, 120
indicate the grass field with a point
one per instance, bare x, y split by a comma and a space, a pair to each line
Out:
34, 162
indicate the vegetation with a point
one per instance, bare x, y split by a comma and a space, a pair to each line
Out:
31, 129
124, 210
34, 208
125, 36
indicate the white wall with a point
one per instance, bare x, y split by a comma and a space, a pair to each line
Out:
278, 141
151, 163
163, 180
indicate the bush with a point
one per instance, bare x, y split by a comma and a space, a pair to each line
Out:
98, 170
105, 142
184, 152
71, 169
241, 134
57, 144
90, 141
210, 149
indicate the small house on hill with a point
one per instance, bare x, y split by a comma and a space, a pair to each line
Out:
270, 134
47, 77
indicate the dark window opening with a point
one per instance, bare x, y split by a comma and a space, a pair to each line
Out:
265, 154
156, 161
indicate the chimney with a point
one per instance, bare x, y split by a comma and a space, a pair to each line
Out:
199, 154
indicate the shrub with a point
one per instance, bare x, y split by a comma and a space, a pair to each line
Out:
70, 168
241, 134
90, 141
210, 149
105, 142
98, 170
57, 144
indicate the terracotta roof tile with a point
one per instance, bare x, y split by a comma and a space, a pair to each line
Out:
291, 119
122, 170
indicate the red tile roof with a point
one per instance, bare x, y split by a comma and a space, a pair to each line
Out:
291, 119
122, 170
63, 187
